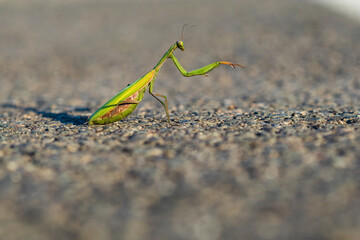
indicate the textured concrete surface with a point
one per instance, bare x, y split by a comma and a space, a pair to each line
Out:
267, 152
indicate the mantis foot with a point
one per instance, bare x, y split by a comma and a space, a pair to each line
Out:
232, 64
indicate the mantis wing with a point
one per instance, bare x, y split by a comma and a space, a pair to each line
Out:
123, 103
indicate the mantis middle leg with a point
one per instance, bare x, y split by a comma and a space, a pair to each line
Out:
155, 95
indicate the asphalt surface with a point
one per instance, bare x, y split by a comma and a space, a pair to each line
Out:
267, 152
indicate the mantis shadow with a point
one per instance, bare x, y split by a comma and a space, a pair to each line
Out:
63, 117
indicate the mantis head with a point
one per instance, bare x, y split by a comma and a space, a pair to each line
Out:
180, 45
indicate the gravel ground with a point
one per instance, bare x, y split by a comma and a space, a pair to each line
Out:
267, 152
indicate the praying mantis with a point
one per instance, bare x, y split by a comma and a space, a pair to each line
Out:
125, 102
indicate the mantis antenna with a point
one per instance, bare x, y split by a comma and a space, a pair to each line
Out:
183, 32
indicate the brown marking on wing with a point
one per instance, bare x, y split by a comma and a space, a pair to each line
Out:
121, 106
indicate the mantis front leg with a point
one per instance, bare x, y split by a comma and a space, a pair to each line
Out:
203, 70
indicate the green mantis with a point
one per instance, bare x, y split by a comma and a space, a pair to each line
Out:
125, 102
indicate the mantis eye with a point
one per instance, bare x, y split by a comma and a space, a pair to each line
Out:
180, 45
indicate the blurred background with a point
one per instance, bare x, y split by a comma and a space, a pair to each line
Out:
347, 7
276, 156
66, 49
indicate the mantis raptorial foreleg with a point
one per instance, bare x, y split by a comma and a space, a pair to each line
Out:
200, 71
203, 70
